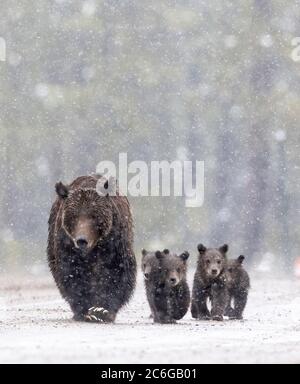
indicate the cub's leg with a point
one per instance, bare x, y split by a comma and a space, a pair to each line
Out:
199, 305
229, 311
219, 302
240, 302
182, 302
162, 305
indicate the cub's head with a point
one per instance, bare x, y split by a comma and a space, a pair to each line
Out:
150, 264
213, 260
86, 216
233, 270
173, 267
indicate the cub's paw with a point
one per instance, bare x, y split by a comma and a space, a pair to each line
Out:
229, 312
164, 320
218, 318
204, 317
167, 321
99, 315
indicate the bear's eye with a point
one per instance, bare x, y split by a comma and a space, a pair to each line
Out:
219, 261
208, 262
178, 270
144, 266
230, 270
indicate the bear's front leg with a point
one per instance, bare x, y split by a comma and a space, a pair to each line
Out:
162, 318
229, 311
182, 302
79, 308
162, 311
219, 301
199, 305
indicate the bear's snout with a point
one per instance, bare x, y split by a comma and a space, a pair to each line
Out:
214, 272
82, 243
173, 280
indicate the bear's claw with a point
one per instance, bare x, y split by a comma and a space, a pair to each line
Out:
98, 310
98, 315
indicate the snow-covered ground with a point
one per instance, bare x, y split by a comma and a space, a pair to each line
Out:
36, 327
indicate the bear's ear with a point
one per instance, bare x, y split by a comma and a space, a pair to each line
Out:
241, 259
61, 190
144, 252
202, 249
166, 252
224, 249
185, 256
159, 255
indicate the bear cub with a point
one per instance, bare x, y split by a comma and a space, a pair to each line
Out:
167, 290
210, 283
238, 283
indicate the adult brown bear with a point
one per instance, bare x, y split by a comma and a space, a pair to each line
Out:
90, 250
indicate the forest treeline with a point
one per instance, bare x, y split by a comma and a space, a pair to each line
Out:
212, 81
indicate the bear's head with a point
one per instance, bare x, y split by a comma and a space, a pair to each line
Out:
86, 216
233, 270
213, 260
173, 267
150, 264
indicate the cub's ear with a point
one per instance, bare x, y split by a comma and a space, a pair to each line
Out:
241, 259
166, 252
159, 255
185, 256
144, 252
61, 190
202, 249
224, 249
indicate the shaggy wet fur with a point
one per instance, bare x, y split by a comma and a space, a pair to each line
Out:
210, 284
99, 280
238, 283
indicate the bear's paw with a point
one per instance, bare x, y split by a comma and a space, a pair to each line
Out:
98, 315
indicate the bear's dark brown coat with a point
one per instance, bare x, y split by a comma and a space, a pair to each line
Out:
90, 250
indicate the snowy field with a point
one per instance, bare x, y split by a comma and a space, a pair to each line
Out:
36, 327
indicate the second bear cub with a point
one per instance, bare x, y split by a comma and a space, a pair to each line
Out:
210, 283
167, 289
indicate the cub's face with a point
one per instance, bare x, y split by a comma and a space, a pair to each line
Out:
173, 267
87, 217
213, 261
233, 270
